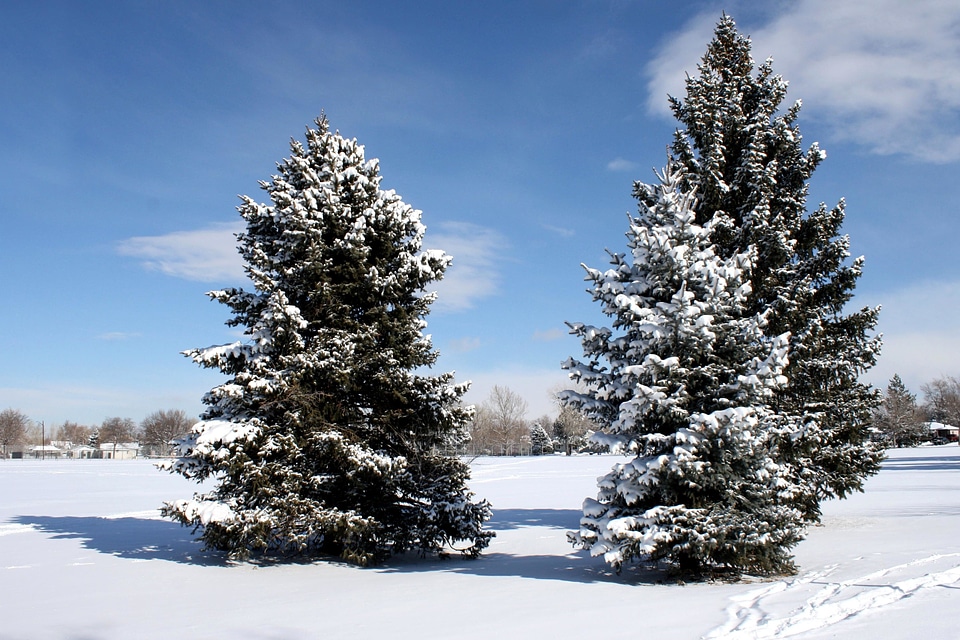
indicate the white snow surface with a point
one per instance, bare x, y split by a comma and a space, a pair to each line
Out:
85, 554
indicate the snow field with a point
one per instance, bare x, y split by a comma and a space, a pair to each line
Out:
84, 554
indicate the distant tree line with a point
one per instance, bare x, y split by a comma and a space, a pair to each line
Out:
154, 433
499, 428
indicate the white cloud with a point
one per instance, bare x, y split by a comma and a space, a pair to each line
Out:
210, 255
207, 255
678, 58
885, 75
921, 334
621, 165
474, 273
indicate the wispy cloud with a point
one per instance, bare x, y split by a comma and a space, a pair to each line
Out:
619, 164
464, 345
549, 335
474, 273
206, 255
601, 46
117, 336
884, 75
560, 231
383, 85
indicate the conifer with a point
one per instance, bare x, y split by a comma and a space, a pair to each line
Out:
706, 437
326, 437
745, 160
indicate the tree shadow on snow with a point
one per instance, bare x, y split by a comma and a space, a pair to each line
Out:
152, 539
504, 519
574, 566
938, 463
128, 537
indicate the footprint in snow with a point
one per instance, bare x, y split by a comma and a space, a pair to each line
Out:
823, 602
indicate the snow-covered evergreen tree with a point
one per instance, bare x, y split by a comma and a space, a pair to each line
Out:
684, 380
540, 441
806, 433
898, 417
326, 436
744, 158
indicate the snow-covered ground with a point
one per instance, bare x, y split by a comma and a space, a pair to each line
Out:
84, 555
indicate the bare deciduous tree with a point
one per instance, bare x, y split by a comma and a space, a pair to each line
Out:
499, 425
160, 427
73, 433
942, 400
570, 429
117, 430
13, 428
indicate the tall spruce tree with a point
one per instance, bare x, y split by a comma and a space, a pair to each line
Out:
684, 380
742, 158
745, 160
326, 436
898, 417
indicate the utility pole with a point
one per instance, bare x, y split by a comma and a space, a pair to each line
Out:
43, 436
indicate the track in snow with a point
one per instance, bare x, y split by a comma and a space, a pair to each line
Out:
752, 615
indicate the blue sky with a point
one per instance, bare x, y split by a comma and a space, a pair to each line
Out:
518, 128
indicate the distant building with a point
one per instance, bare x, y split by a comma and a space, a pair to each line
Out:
118, 450
46, 451
943, 431
81, 452
16, 451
